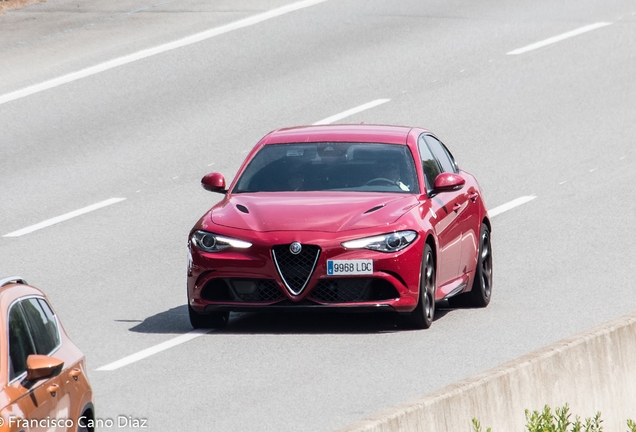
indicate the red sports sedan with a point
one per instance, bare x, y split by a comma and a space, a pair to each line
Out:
341, 217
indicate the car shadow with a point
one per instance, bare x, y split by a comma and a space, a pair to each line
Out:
176, 321
173, 320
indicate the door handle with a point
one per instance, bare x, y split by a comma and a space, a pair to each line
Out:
53, 388
473, 196
75, 373
456, 207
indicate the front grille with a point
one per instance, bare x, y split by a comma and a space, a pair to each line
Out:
351, 290
295, 270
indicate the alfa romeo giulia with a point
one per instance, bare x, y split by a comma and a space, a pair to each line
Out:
341, 217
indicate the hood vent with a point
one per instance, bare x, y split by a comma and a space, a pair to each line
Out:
371, 210
242, 208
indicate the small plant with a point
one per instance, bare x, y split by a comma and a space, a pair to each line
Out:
477, 426
546, 421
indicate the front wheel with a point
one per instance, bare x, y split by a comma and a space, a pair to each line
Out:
214, 320
422, 315
86, 423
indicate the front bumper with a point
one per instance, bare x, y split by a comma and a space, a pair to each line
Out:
251, 279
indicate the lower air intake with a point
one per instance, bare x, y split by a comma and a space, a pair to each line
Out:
353, 290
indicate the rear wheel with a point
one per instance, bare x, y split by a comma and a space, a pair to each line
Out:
479, 295
422, 316
213, 320
482, 285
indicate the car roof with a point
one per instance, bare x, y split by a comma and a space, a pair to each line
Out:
15, 287
343, 133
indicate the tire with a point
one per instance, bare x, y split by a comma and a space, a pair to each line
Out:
481, 292
213, 320
86, 421
423, 314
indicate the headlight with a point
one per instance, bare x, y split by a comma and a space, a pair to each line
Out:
391, 242
209, 242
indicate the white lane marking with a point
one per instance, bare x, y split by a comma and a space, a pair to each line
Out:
563, 182
558, 38
352, 111
593, 169
246, 22
64, 217
508, 206
154, 350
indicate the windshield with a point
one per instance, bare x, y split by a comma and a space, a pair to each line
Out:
364, 167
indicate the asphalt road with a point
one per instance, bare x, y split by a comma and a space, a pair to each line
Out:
557, 122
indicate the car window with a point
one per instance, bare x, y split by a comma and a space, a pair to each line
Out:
43, 325
442, 154
20, 343
429, 164
330, 166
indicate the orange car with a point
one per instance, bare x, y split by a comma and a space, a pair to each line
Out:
43, 382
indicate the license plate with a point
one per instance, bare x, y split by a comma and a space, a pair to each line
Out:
349, 267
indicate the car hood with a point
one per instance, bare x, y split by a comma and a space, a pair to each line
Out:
308, 211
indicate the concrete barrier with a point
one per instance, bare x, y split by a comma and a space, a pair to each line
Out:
592, 371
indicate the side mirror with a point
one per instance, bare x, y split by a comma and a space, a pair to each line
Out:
40, 366
214, 182
447, 182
